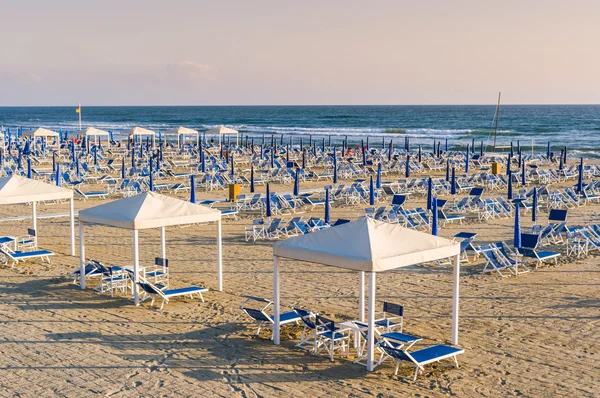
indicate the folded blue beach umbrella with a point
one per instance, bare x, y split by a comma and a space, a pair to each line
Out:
297, 183
323, 145
95, 156
151, 183
390, 150
580, 178
133, 158
364, 153
534, 207
57, 175
517, 230
434, 217
509, 195
232, 166
429, 193
467, 160
27, 148
511, 149
560, 160
335, 174
29, 173
304, 158
407, 172
473, 145
202, 162
252, 179
508, 164
122, 168
193, 188
19, 166
523, 176
453, 182
481, 149
565, 155
371, 192
548, 152
287, 153
327, 216
272, 158
378, 181
446, 144
268, 201
407, 144
420, 154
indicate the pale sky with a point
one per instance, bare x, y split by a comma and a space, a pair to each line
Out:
253, 52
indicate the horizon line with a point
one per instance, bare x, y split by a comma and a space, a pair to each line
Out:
293, 105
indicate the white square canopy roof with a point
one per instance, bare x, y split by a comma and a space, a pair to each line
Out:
148, 210
221, 130
182, 131
16, 189
367, 245
42, 132
139, 131
92, 131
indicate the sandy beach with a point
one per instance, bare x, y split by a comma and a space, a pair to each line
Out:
533, 335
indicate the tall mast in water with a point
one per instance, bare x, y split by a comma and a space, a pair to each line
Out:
496, 120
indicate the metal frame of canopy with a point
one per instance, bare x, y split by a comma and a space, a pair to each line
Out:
180, 134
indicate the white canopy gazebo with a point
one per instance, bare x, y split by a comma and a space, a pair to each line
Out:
221, 130
182, 132
144, 211
45, 134
372, 246
97, 134
139, 132
16, 190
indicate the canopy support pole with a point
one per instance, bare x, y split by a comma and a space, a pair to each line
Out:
34, 217
276, 309
81, 257
455, 299
163, 246
72, 221
361, 296
136, 264
371, 321
219, 258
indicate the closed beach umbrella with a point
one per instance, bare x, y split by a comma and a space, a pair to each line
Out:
327, 216
252, 179
548, 150
390, 150
523, 176
511, 149
453, 182
508, 164
429, 193
304, 158
232, 166
151, 184
519, 147
407, 144
367, 146
446, 145
378, 182
19, 166
420, 155
77, 171
434, 218
580, 178
268, 202
73, 151
272, 158
29, 174
287, 153
202, 161
407, 172
27, 148
467, 160
335, 175
193, 188
560, 161
481, 149
95, 156
534, 206
133, 157
364, 153
473, 145
123, 168
517, 231
565, 155
323, 145
57, 176
509, 195
297, 183
371, 192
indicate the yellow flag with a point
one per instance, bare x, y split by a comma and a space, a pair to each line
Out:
78, 110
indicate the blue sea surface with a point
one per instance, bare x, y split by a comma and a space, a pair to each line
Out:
574, 126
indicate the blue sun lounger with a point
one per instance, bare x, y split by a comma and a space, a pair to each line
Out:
261, 318
529, 244
18, 256
422, 357
167, 294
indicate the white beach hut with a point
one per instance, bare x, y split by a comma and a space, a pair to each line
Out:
181, 132
372, 246
16, 190
222, 130
43, 133
144, 211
